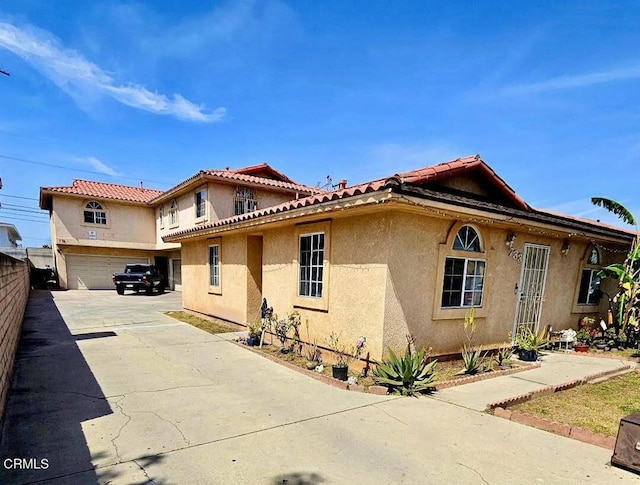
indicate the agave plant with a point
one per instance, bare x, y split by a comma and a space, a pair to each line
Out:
472, 359
407, 376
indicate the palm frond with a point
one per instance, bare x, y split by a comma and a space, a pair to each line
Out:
615, 207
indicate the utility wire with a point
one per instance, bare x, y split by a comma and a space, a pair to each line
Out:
21, 206
18, 197
21, 219
62, 167
34, 212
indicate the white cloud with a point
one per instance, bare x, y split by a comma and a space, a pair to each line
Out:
395, 158
575, 81
98, 166
78, 77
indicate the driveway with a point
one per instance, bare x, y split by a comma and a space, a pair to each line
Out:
109, 390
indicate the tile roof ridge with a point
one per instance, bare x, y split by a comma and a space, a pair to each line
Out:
108, 183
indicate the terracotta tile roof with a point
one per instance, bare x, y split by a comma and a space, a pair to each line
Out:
412, 178
237, 176
263, 168
584, 220
103, 190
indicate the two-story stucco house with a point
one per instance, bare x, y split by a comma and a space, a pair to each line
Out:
407, 254
9, 235
96, 228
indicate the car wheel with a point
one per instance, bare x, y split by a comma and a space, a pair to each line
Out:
120, 290
149, 290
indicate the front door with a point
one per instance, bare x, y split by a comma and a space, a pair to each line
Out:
531, 287
176, 274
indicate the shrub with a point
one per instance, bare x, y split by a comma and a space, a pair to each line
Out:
472, 360
407, 376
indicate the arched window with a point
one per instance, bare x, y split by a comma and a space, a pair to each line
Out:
467, 239
464, 277
94, 213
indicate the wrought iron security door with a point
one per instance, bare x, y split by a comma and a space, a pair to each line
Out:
531, 287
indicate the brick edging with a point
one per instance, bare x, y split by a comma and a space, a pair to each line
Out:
580, 434
486, 375
520, 398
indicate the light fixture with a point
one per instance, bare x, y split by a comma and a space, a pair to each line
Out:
566, 245
510, 238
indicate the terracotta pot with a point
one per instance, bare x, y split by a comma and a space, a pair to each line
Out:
581, 347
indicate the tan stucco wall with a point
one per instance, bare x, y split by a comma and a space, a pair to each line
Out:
384, 280
230, 300
125, 223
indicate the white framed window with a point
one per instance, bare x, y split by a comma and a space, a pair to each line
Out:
201, 203
214, 265
589, 283
311, 258
161, 216
463, 278
94, 213
245, 201
173, 213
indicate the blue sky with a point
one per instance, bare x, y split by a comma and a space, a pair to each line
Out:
546, 92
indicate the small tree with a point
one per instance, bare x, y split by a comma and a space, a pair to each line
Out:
627, 298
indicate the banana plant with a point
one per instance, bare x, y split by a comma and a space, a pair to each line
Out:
628, 273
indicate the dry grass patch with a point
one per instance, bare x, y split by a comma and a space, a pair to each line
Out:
202, 323
596, 407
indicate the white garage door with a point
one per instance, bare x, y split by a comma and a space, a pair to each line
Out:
94, 272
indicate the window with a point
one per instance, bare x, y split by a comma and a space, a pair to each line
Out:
173, 213
464, 277
94, 213
161, 216
201, 203
245, 201
214, 265
311, 265
589, 283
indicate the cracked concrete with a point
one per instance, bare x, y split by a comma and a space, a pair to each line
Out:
119, 393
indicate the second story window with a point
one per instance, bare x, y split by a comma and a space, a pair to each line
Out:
201, 203
173, 213
161, 216
94, 213
245, 201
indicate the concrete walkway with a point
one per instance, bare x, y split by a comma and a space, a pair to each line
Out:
109, 390
555, 369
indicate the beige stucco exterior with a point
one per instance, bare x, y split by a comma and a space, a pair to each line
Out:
383, 277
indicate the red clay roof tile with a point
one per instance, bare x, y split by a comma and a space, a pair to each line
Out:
102, 190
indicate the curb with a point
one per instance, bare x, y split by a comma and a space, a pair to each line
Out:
580, 434
504, 403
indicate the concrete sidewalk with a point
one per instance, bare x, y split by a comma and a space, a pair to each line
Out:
556, 369
109, 390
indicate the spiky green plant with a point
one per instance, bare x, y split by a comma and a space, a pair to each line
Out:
471, 358
408, 376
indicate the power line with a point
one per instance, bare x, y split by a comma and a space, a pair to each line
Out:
39, 213
18, 197
62, 167
26, 220
21, 206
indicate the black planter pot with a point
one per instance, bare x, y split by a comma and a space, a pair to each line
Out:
529, 355
340, 372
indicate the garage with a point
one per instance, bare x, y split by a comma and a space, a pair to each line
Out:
94, 272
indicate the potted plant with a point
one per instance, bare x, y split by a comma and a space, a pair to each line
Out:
583, 340
340, 369
313, 356
529, 343
254, 330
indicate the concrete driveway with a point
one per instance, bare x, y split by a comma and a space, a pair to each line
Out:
109, 390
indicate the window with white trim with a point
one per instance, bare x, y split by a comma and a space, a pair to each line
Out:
94, 213
161, 216
214, 265
311, 260
201, 203
589, 280
245, 201
173, 213
463, 283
